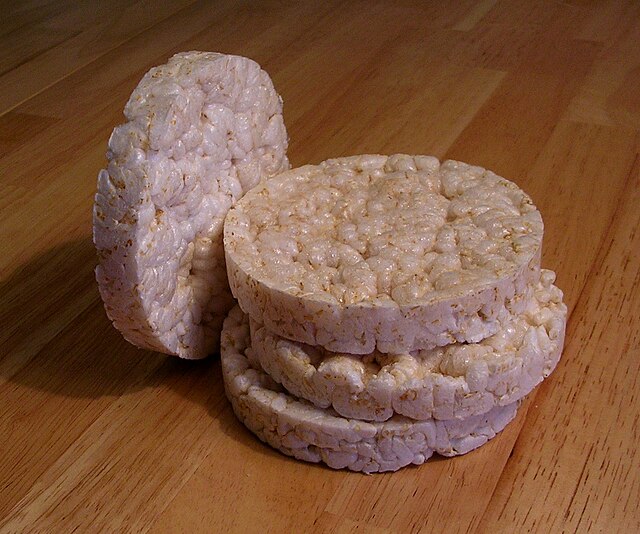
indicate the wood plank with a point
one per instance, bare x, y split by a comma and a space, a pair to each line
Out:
332, 523
448, 14
22, 46
581, 474
411, 500
604, 21
383, 113
17, 129
557, 184
70, 40
40, 294
146, 437
266, 479
71, 184
543, 13
524, 48
510, 144
81, 372
28, 13
475, 15
609, 94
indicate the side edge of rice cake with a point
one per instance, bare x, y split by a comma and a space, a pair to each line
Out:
313, 434
201, 130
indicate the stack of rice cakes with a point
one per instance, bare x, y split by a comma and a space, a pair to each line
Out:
390, 307
395, 306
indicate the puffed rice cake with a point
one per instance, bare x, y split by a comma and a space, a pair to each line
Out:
300, 429
201, 130
389, 253
452, 382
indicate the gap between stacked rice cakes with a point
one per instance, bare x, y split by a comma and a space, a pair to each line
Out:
300, 429
202, 130
394, 253
456, 381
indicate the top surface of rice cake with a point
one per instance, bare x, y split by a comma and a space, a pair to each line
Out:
201, 130
383, 252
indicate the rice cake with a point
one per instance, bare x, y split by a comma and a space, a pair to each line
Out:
456, 381
388, 253
299, 429
201, 130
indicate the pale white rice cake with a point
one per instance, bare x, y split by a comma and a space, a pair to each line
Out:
200, 132
394, 253
300, 429
456, 381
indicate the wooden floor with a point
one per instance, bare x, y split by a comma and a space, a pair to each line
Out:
97, 436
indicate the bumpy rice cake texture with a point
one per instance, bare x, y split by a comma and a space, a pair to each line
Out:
304, 431
394, 253
456, 381
201, 130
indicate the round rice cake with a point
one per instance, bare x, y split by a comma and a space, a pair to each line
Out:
201, 130
300, 429
388, 253
456, 381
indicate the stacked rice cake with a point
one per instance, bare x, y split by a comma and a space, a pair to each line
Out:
390, 307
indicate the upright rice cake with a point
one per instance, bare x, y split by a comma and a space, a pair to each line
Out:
202, 130
313, 434
456, 381
388, 253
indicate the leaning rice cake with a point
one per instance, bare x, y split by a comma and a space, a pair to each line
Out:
201, 131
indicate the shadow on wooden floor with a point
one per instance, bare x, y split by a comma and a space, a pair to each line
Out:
57, 337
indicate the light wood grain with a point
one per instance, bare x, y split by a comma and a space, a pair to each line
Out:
98, 436
40, 54
586, 464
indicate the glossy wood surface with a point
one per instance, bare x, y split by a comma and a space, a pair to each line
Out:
98, 436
